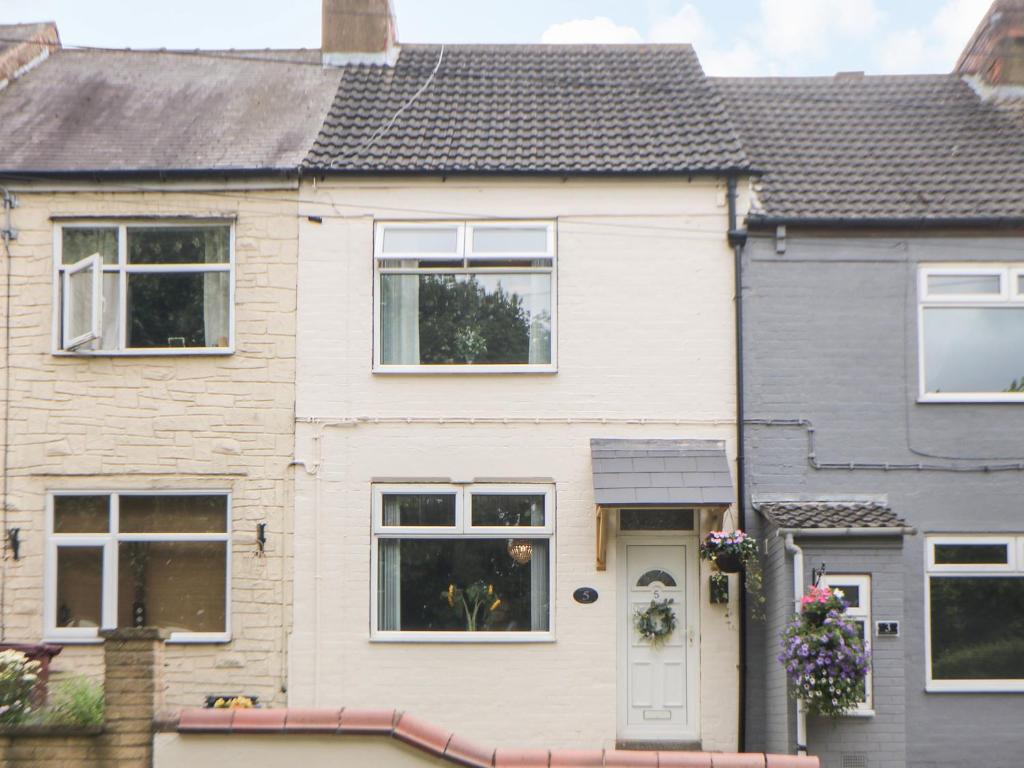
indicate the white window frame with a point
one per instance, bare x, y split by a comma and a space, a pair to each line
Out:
109, 543
464, 253
463, 528
1009, 296
95, 264
1013, 567
122, 268
860, 613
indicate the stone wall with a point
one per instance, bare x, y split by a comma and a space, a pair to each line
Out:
170, 422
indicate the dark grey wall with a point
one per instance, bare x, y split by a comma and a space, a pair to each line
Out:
830, 335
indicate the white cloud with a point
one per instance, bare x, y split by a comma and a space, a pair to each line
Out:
740, 60
597, 30
809, 30
955, 22
685, 26
903, 53
934, 46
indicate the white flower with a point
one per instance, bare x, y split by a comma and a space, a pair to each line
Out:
838, 593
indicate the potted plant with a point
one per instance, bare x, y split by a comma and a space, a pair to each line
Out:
824, 656
18, 677
730, 551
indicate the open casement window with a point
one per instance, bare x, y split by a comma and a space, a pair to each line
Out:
462, 563
857, 594
83, 302
464, 297
974, 603
138, 559
156, 287
971, 320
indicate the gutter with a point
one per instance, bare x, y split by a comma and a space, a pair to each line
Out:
846, 532
756, 221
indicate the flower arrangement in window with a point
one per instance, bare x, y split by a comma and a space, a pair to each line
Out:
18, 677
475, 603
732, 552
824, 655
657, 622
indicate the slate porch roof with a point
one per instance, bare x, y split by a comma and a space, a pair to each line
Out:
90, 111
658, 472
829, 514
862, 149
537, 109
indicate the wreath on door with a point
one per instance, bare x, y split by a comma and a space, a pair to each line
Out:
656, 622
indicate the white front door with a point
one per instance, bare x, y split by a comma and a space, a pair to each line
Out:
658, 681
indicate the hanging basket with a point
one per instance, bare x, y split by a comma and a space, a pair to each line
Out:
729, 562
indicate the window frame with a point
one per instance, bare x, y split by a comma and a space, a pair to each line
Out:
464, 253
1010, 296
863, 614
1014, 568
464, 529
109, 542
95, 264
122, 268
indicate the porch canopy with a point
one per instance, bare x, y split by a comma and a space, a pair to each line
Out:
655, 474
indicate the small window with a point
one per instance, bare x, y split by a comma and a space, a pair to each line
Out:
652, 519
972, 333
145, 288
139, 559
661, 577
857, 594
462, 296
463, 563
975, 610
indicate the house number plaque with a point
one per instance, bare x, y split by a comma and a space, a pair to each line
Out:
585, 595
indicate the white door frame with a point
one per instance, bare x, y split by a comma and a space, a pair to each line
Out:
691, 625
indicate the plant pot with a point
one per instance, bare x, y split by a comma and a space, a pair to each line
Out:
729, 562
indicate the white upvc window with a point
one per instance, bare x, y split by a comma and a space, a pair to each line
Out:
138, 558
464, 297
462, 563
146, 287
856, 591
971, 333
974, 613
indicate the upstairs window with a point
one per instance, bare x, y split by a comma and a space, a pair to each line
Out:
147, 288
972, 332
464, 296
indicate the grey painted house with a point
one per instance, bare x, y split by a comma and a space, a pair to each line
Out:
883, 294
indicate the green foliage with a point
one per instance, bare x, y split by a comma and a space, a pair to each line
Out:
470, 601
76, 701
461, 322
656, 622
18, 676
997, 660
1017, 385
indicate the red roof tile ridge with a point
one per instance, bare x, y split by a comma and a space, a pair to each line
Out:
441, 743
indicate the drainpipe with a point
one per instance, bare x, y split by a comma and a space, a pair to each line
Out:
6, 235
737, 239
798, 592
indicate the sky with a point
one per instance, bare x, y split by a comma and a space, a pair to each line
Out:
732, 37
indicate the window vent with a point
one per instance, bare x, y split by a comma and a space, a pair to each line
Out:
855, 760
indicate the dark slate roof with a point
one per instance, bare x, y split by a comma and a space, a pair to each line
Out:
131, 111
829, 514
652, 472
561, 109
878, 148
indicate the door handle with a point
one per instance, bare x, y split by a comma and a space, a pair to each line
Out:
689, 637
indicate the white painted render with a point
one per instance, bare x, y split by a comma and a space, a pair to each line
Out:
645, 349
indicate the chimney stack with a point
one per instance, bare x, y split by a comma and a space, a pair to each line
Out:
24, 46
358, 32
995, 53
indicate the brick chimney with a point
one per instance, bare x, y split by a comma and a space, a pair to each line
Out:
995, 53
358, 32
24, 45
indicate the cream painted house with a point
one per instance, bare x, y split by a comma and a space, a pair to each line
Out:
150, 356
515, 404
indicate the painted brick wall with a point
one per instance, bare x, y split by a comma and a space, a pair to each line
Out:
645, 332
831, 336
222, 422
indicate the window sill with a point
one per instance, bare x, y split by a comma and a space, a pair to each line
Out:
462, 637
177, 351
860, 713
176, 638
462, 370
975, 686
995, 397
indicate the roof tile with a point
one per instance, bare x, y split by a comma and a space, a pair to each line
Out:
829, 514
